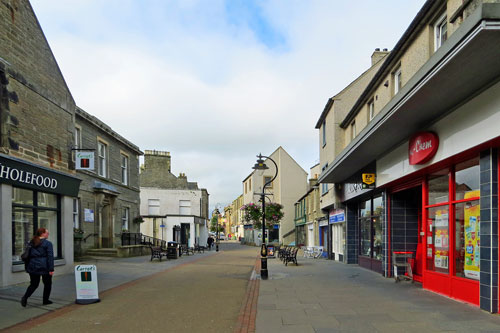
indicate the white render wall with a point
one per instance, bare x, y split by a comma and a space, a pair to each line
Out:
473, 123
169, 205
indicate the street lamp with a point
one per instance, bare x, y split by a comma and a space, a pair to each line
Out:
217, 213
260, 165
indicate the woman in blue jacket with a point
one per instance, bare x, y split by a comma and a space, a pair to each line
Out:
41, 264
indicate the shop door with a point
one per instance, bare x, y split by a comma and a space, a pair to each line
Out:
407, 230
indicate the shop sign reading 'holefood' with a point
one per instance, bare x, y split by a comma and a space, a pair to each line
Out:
22, 174
423, 146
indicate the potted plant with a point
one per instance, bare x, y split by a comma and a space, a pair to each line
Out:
138, 219
77, 233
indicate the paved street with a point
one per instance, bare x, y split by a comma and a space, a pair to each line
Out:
218, 293
326, 296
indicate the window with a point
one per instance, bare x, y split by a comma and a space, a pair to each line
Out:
371, 110
246, 188
124, 169
32, 210
153, 207
78, 137
250, 184
453, 219
125, 218
353, 130
397, 81
102, 158
324, 132
324, 187
371, 227
440, 32
184, 207
76, 213
268, 179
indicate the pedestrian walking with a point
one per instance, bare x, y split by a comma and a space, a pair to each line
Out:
210, 241
40, 265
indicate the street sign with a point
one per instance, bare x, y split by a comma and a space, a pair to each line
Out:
87, 291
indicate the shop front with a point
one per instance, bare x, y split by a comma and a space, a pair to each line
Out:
33, 197
337, 225
323, 236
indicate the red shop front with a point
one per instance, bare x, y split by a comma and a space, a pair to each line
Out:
436, 213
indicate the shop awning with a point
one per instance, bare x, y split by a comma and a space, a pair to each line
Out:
464, 66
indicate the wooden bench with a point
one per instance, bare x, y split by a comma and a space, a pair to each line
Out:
157, 252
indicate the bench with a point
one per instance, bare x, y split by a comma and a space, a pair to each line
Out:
291, 256
157, 252
186, 250
199, 249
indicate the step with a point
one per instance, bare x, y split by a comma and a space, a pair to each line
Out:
104, 252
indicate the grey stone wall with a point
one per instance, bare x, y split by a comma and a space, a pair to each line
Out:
126, 195
156, 172
38, 99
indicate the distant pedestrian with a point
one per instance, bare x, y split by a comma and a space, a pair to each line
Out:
41, 264
210, 242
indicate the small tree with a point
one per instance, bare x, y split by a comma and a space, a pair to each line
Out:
214, 223
252, 213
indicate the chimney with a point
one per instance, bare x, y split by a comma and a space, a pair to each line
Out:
377, 55
157, 160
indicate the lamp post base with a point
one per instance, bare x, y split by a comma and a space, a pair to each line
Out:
263, 268
217, 247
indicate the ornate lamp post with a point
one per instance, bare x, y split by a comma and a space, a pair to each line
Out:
260, 165
217, 213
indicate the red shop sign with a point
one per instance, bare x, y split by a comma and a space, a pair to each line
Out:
423, 146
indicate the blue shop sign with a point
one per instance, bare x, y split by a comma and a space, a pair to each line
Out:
337, 216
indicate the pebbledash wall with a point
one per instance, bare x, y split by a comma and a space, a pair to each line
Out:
37, 177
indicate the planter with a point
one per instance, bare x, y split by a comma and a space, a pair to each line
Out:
77, 236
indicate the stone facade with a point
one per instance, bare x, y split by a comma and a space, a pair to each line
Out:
107, 196
37, 114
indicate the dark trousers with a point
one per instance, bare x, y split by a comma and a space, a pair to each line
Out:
35, 281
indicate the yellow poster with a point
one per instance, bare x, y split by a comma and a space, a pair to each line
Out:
471, 237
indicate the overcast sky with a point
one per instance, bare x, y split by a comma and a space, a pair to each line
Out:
216, 82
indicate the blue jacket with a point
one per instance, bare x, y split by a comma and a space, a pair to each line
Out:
41, 258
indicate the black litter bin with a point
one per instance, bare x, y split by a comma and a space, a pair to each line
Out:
172, 250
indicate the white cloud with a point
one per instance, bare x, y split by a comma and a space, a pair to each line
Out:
180, 78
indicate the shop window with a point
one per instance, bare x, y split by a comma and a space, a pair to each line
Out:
438, 187
32, 210
453, 221
370, 224
438, 221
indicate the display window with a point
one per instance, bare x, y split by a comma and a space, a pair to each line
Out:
371, 227
32, 210
453, 221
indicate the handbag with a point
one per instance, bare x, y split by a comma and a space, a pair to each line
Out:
25, 256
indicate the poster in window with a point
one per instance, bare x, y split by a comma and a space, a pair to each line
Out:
472, 239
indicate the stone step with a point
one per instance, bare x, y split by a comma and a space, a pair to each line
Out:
104, 252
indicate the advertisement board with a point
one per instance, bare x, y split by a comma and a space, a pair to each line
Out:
87, 291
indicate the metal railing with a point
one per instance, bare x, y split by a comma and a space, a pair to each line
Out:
130, 238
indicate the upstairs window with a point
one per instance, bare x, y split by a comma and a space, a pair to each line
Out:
124, 163
324, 187
353, 130
153, 206
102, 158
268, 179
125, 218
397, 81
371, 110
324, 132
440, 32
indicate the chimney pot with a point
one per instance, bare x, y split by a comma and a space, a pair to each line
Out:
377, 49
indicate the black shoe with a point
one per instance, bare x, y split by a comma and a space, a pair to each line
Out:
47, 302
24, 301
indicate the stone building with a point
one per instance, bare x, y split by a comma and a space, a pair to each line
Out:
37, 112
308, 213
173, 208
108, 201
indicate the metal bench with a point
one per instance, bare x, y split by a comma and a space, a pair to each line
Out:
291, 256
157, 252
